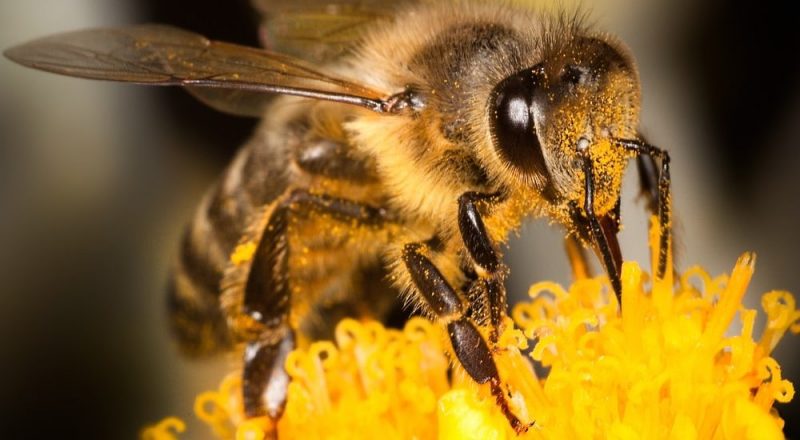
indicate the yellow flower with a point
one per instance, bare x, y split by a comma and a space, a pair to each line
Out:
666, 367
166, 429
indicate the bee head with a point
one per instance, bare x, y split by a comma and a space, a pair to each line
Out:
547, 118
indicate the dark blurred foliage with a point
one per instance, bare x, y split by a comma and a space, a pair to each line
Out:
744, 57
76, 364
75, 373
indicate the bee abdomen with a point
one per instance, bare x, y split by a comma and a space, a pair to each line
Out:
197, 320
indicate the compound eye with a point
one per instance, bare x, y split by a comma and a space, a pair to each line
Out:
513, 122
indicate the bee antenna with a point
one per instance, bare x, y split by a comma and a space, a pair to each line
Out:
408, 99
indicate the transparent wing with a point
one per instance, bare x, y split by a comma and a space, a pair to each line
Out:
320, 30
227, 76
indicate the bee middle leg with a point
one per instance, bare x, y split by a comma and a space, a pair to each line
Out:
267, 296
450, 309
483, 253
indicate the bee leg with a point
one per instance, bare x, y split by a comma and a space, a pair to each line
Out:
264, 379
267, 298
470, 348
483, 253
659, 191
578, 260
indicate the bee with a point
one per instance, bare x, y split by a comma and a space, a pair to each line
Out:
407, 145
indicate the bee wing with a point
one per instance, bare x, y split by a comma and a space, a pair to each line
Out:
320, 30
227, 76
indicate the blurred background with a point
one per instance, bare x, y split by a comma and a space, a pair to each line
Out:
97, 180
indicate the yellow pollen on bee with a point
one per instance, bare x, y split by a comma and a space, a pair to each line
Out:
243, 253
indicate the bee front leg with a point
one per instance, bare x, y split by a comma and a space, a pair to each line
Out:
267, 298
483, 253
657, 190
449, 308
657, 186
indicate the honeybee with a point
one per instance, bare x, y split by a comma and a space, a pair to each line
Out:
407, 146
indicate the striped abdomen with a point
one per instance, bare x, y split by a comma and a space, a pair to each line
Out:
257, 176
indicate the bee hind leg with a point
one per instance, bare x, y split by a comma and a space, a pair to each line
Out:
266, 301
267, 297
264, 379
449, 308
